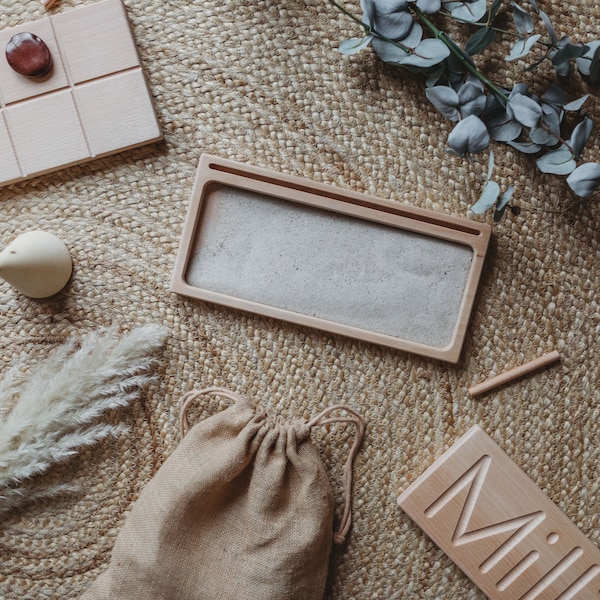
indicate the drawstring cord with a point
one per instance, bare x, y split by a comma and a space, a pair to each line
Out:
321, 419
188, 399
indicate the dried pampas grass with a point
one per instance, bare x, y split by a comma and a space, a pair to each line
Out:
53, 412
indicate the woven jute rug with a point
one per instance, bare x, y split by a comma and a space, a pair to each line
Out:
262, 82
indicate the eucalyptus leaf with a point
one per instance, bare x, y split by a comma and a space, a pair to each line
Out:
435, 76
445, 99
523, 22
469, 136
413, 39
395, 51
471, 99
467, 10
548, 134
549, 28
368, 8
505, 198
493, 11
576, 104
519, 88
490, 165
555, 96
522, 47
567, 51
502, 128
429, 6
542, 137
354, 45
393, 20
392, 6
557, 162
471, 79
561, 56
489, 195
585, 62
580, 136
562, 69
525, 147
595, 66
389, 52
480, 40
585, 179
481, 109
498, 214
457, 59
428, 53
503, 203
525, 110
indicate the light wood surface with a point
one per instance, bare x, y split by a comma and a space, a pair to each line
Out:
94, 102
304, 193
499, 527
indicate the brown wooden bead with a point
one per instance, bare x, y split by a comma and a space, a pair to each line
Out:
28, 55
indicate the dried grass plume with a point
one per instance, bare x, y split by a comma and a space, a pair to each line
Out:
54, 411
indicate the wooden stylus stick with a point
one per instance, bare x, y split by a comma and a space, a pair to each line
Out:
512, 374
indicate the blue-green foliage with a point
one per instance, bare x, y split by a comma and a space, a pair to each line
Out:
402, 32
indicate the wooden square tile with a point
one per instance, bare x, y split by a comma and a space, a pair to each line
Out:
121, 100
15, 87
9, 167
42, 140
96, 41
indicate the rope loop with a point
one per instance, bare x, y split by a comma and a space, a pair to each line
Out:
360, 424
190, 397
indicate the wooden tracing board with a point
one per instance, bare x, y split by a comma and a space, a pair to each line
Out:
93, 103
499, 527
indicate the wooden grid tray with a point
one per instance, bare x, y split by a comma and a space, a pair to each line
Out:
339, 261
94, 102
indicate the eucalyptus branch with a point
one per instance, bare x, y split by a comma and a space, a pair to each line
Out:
484, 110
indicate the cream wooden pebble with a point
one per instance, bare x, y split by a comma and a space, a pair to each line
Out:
37, 264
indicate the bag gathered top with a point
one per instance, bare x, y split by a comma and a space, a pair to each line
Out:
242, 510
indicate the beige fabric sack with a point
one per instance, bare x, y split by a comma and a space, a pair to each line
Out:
242, 509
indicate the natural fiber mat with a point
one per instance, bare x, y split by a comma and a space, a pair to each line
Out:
262, 82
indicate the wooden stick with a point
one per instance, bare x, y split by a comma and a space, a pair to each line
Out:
512, 374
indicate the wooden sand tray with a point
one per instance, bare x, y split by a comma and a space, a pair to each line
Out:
94, 101
336, 260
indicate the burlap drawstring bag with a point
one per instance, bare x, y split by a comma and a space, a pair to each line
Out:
242, 510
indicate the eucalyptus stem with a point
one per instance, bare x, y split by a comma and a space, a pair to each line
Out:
350, 15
